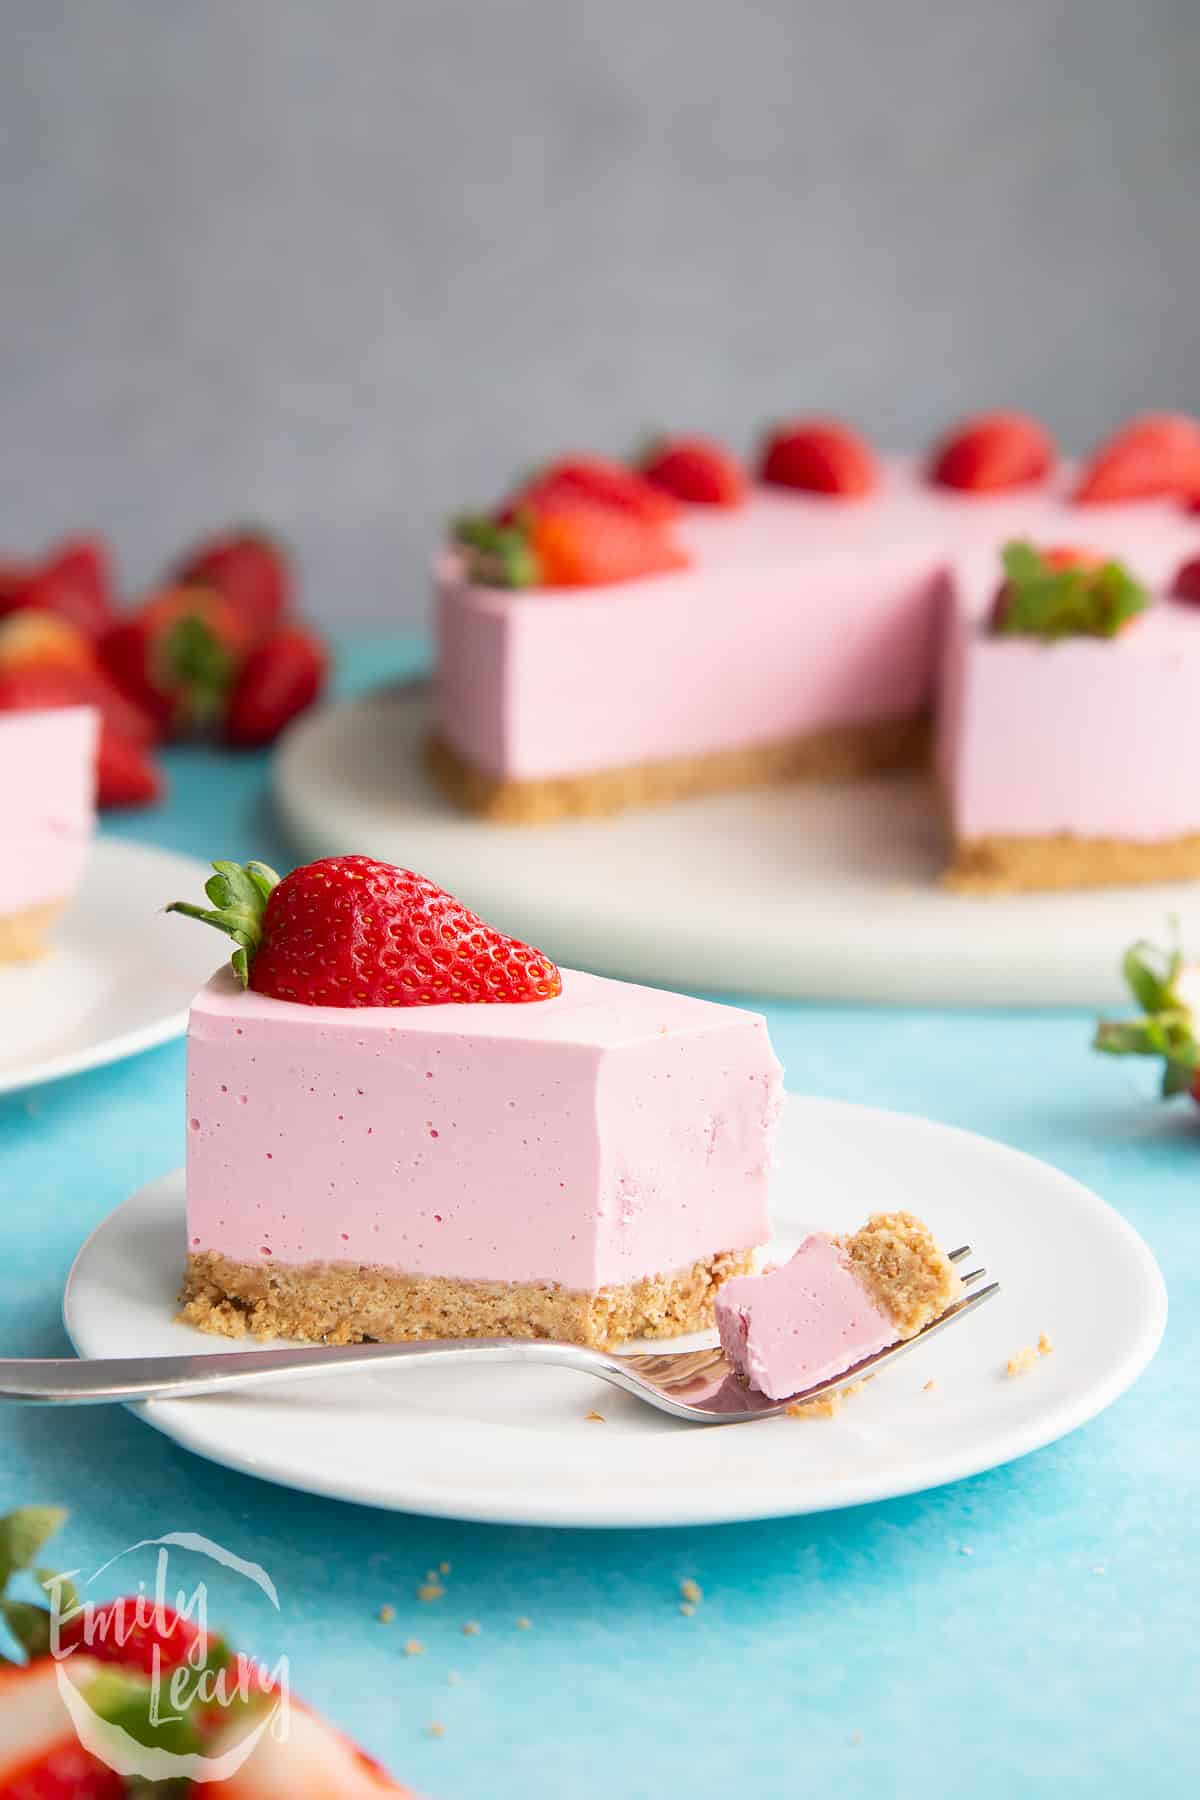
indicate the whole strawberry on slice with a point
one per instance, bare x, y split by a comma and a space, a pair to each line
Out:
697, 470
589, 480
567, 545
821, 456
178, 655
1064, 592
282, 676
992, 452
250, 568
1167, 988
350, 931
1156, 456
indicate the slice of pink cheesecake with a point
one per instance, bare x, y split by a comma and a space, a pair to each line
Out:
588, 1163
1065, 757
836, 1302
47, 816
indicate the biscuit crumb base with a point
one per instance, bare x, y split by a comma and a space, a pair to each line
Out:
1014, 865
347, 1303
836, 753
899, 1263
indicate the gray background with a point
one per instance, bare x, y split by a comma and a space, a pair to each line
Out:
344, 266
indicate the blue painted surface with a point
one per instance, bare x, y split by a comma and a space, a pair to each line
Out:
861, 1649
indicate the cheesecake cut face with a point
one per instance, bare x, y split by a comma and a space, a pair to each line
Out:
47, 817
837, 1301
588, 1167
1068, 763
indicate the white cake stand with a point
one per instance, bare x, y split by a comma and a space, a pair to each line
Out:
809, 891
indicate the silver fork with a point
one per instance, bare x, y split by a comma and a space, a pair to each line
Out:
696, 1385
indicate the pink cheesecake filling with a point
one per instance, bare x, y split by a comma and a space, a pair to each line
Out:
804, 1322
1091, 736
612, 1132
799, 613
47, 804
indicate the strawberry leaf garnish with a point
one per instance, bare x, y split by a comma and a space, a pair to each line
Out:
1167, 1028
239, 894
1081, 600
496, 555
23, 1535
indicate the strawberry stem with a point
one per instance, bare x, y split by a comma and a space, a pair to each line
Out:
497, 555
239, 894
1167, 1028
1042, 601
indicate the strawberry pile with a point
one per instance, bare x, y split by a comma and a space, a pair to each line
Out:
350, 931
215, 650
1167, 988
153, 1706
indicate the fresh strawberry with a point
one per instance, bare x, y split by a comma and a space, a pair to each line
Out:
1167, 988
73, 581
1154, 457
30, 689
567, 545
250, 569
131, 1632
126, 775
1186, 583
280, 677
822, 456
313, 1762
590, 480
33, 639
991, 452
696, 469
178, 656
349, 931
40, 1756
1064, 592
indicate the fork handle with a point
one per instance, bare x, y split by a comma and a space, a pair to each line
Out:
73, 1381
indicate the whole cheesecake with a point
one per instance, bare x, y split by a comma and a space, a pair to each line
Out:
811, 622
585, 1161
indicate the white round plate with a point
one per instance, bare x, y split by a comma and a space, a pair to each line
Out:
516, 1446
810, 890
118, 977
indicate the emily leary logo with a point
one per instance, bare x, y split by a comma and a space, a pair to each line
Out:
167, 1700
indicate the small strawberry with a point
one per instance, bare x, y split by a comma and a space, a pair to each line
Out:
281, 676
250, 569
1186, 582
697, 470
32, 689
567, 545
126, 774
177, 656
1168, 991
33, 639
1156, 456
73, 581
591, 480
1064, 592
349, 931
992, 452
120, 1632
821, 456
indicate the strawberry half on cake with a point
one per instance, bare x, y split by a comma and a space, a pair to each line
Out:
403, 1124
836, 1302
47, 816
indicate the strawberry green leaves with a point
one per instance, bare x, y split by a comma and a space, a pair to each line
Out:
239, 894
1167, 1028
496, 555
1048, 596
23, 1535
